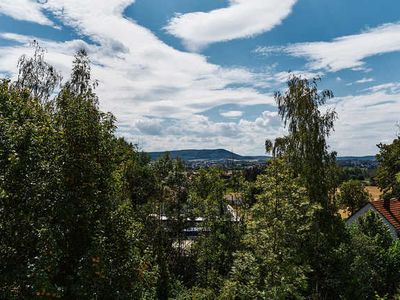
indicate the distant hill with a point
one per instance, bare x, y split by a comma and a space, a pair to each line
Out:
357, 158
206, 154
222, 154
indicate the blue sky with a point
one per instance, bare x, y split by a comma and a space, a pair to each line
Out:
202, 73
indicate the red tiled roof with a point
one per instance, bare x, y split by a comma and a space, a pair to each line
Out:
391, 212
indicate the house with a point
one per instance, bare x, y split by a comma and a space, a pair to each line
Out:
388, 210
234, 199
193, 227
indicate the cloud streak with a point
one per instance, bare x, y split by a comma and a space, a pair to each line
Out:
138, 73
232, 114
366, 120
241, 19
25, 10
245, 137
347, 52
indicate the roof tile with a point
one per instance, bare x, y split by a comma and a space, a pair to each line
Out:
391, 212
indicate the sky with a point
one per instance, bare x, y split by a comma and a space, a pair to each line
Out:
201, 74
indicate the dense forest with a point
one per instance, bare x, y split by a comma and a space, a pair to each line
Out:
85, 215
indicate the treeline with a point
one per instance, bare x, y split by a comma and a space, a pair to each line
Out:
85, 215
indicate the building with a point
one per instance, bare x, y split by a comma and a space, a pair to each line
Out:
388, 210
234, 199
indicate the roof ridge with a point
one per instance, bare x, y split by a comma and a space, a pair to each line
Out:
391, 213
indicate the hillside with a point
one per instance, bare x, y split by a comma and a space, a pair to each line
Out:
206, 154
222, 154
357, 158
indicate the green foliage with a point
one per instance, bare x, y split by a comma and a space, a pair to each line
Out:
214, 248
353, 173
387, 175
196, 293
29, 192
132, 268
372, 226
87, 200
250, 191
272, 264
65, 230
305, 147
235, 182
139, 178
393, 269
374, 256
36, 75
352, 195
305, 150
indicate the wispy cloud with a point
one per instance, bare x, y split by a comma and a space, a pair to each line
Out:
157, 91
284, 76
365, 80
25, 10
139, 74
241, 19
390, 88
364, 121
232, 114
245, 137
361, 81
347, 52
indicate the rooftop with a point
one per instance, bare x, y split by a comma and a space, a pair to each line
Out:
391, 211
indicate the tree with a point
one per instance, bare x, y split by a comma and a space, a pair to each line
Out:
132, 271
166, 221
35, 74
387, 175
221, 230
68, 193
372, 258
306, 151
29, 193
393, 270
353, 195
140, 180
305, 148
273, 264
86, 157
67, 227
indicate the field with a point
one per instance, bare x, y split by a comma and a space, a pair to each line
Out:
375, 193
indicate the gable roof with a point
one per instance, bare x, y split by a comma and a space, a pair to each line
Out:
391, 211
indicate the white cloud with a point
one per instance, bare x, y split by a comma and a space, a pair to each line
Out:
391, 88
241, 19
365, 121
138, 73
142, 76
232, 114
361, 81
245, 137
284, 76
347, 52
26, 10
365, 80
149, 126
269, 119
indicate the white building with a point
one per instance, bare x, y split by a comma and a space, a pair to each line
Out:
388, 210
